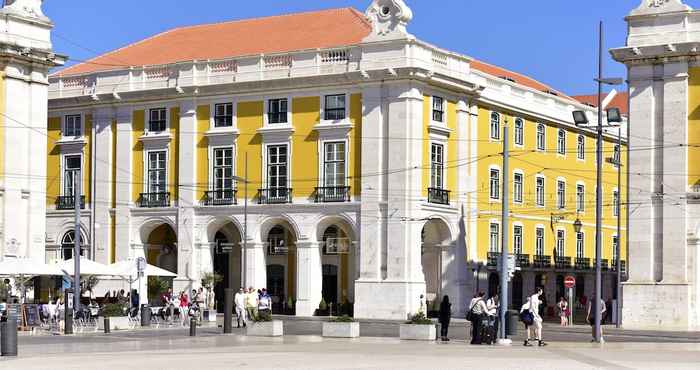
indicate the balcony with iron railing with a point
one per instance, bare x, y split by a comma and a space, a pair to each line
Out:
275, 196
154, 200
220, 198
562, 262
522, 260
542, 261
604, 265
332, 194
493, 258
438, 196
582, 263
67, 202
623, 266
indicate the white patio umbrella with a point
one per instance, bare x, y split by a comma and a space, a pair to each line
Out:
127, 269
87, 267
23, 269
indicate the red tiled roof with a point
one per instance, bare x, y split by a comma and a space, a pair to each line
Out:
276, 34
621, 101
515, 77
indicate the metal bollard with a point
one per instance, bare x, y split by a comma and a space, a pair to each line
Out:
193, 327
106, 325
228, 310
8, 338
512, 322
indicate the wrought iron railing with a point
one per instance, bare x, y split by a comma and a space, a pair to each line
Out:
623, 266
562, 262
582, 263
154, 200
522, 260
542, 261
220, 198
492, 259
604, 265
275, 196
332, 194
438, 196
65, 202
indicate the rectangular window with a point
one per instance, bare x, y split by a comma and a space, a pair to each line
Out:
494, 239
495, 126
71, 174
223, 115
157, 172
539, 241
334, 164
335, 107
277, 166
519, 132
541, 138
581, 147
539, 191
277, 111
580, 198
72, 126
438, 109
156, 120
561, 242
616, 203
561, 194
561, 141
615, 241
437, 166
518, 188
616, 155
495, 184
223, 170
517, 239
580, 252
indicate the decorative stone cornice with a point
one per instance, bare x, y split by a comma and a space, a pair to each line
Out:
25, 8
653, 7
389, 19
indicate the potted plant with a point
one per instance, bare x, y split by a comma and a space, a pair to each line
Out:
341, 327
322, 308
418, 327
116, 315
290, 306
264, 326
209, 281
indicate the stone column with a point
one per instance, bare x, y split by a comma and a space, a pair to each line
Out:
309, 277
122, 214
255, 267
189, 266
102, 181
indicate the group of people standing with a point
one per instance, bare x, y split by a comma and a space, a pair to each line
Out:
252, 305
183, 305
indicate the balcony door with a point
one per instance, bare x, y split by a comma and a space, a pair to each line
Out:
157, 174
277, 170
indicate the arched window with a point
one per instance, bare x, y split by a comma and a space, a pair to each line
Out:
276, 241
541, 139
519, 131
68, 245
561, 142
334, 242
581, 147
495, 126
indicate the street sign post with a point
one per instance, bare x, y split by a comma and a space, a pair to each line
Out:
569, 284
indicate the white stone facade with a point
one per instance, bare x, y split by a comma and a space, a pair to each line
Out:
664, 281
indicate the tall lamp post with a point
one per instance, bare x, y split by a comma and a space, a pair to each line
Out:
580, 118
244, 253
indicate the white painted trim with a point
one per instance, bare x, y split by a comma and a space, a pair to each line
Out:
498, 130
146, 186
544, 190
234, 113
321, 152
82, 136
147, 117
444, 110
443, 143
522, 186
265, 147
500, 184
558, 153
578, 157
556, 188
544, 141
322, 117
581, 183
266, 110
515, 143
62, 169
211, 158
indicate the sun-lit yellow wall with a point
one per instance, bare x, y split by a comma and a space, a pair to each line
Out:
694, 126
203, 112
87, 159
174, 154
137, 180
250, 119
355, 146
552, 165
305, 115
53, 162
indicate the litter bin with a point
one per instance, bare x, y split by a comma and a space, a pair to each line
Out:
8, 338
145, 315
512, 322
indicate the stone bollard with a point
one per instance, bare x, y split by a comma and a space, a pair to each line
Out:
193, 327
8, 338
106, 325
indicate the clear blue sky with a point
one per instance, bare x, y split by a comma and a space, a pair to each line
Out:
553, 41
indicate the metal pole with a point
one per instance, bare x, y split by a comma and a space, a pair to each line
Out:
76, 239
618, 301
245, 223
599, 188
504, 236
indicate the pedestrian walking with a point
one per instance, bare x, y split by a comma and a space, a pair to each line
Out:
264, 304
251, 304
239, 301
477, 311
184, 307
563, 307
444, 317
492, 314
590, 318
530, 315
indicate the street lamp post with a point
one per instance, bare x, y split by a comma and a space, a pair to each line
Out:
580, 118
244, 180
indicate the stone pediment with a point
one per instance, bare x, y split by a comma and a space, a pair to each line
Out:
651, 7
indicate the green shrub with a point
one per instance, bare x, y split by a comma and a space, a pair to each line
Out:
113, 310
263, 316
419, 319
323, 305
290, 302
344, 318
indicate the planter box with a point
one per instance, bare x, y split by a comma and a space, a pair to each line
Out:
115, 323
341, 329
265, 329
209, 315
417, 332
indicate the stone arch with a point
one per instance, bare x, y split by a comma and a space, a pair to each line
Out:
437, 231
70, 226
221, 224
150, 224
158, 236
437, 247
341, 221
270, 222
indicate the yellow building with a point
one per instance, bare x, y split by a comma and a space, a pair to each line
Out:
362, 153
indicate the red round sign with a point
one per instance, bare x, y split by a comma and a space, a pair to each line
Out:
569, 282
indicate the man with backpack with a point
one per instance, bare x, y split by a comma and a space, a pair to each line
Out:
476, 314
